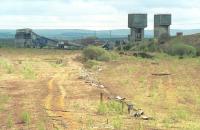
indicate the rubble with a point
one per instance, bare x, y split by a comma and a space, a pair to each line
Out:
132, 110
89, 78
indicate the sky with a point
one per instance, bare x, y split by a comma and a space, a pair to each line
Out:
94, 14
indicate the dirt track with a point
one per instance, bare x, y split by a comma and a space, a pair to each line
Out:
55, 100
65, 88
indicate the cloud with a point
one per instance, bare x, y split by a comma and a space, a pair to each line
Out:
93, 14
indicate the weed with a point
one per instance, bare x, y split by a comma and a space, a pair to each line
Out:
102, 108
182, 114
115, 107
5, 64
26, 118
10, 122
90, 123
28, 72
117, 123
169, 121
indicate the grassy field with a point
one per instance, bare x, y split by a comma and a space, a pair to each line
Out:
172, 100
42, 90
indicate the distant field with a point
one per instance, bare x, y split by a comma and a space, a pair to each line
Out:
7, 42
42, 89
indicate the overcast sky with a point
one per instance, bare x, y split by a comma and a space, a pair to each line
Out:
94, 14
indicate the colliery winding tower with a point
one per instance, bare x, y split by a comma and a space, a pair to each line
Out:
137, 23
28, 38
162, 24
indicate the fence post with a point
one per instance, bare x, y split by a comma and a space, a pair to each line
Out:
101, 97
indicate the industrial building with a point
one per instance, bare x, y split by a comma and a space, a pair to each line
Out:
162, 24
137, 23
27, 38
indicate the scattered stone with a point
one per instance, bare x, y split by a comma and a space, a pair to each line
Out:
119, 98
138, 113
102, 86
143, 117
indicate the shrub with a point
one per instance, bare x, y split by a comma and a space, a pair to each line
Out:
198, 50
151, 46
91, 63
126, 47
97, 53
181, 50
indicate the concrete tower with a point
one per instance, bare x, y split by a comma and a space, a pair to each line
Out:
137, 23
162, 24
23, 37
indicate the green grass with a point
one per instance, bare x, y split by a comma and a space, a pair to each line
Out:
111, 107
26, 118
28, 72
117, 122
7, 66
173, 101
182, 114
115, 107
90, 123
102, 108
10, 122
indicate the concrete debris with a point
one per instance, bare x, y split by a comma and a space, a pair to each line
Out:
138, 113
132, 110
119, 98
90, 79
102, 86
146, 117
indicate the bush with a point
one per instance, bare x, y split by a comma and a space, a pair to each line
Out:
98, 53
181, 50
198, 50
150, 46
